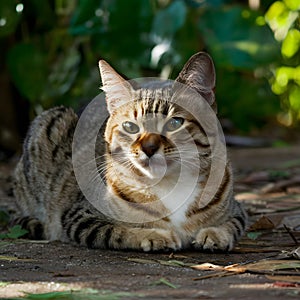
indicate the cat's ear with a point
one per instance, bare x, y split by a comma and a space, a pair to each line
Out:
199, 74
117, 89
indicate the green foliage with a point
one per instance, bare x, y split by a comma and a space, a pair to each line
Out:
53, 52
28, 69
236, 39
168, 20
284, 19
254, 235
14, 232
9, 17
242, 48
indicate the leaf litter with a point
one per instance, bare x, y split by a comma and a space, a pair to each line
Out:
266, 267
289, 266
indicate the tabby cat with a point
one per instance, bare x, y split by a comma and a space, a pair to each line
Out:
153, 147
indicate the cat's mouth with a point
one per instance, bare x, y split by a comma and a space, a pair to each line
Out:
154, 167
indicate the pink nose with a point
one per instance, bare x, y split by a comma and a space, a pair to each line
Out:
150, 143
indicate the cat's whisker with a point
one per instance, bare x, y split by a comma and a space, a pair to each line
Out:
94, 159
188, 164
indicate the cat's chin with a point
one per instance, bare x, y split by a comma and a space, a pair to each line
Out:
154, 167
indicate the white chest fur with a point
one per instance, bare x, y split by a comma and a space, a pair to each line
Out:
178, 196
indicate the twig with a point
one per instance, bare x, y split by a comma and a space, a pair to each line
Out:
216, 274
291, 234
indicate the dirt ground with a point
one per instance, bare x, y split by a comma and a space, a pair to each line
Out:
265, 264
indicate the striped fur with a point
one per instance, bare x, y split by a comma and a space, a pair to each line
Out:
149, 164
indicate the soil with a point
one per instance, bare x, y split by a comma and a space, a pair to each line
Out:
267, 181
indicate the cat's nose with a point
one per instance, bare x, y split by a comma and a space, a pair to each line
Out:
150, 143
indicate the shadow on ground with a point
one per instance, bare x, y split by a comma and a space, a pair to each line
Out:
266, 263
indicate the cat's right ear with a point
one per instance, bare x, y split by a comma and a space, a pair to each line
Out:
199, 74
116, 88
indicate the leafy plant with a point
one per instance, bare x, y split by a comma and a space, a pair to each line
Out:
284, 19
14, 232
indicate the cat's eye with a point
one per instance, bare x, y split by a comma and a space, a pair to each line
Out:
173, 124
130, 127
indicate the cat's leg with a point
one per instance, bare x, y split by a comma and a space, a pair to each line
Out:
112, 236
222, 237
93, 231
119, 237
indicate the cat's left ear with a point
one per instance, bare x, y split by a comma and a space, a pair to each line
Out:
199, 74
117, 89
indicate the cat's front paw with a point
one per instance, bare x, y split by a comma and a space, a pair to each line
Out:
213, 239
159, 239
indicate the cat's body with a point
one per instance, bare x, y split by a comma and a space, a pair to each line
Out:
156, 164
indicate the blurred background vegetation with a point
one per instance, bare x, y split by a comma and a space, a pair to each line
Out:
50, 50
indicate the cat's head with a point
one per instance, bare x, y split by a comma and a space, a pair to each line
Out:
148, 134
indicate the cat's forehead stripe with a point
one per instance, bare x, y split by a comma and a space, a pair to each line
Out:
153, 101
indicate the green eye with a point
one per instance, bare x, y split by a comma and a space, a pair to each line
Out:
173, 124
130, 127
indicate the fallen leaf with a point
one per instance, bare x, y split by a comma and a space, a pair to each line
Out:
215, 275
246, 196
290, 220
252, 286
263, 223
143, 261
12, 258
208, 267
280, 185
293, 190
165, 282
291, 234
172, 255
260, 267
294, 279
282, 284
254, 235
174, 263
257, 176
64, 274
272, 265
270, 249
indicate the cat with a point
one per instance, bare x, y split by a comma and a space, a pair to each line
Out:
150, 147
